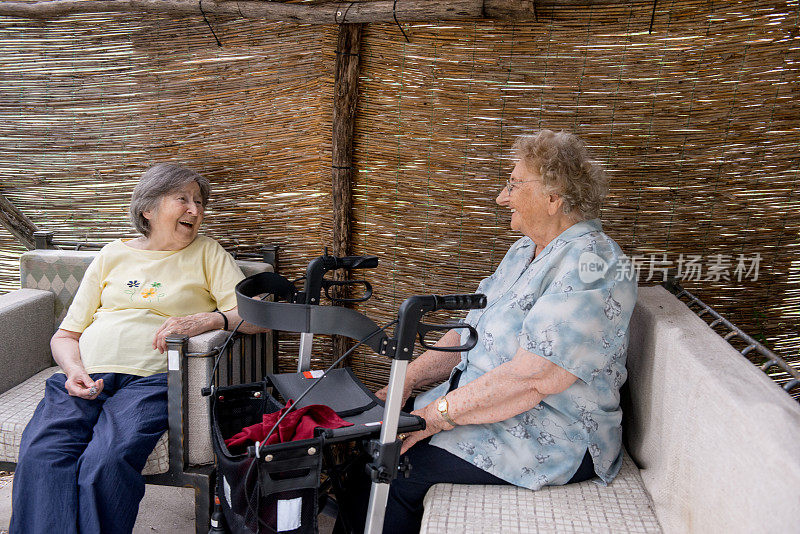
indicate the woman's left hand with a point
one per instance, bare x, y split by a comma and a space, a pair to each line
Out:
190, 325
434, 423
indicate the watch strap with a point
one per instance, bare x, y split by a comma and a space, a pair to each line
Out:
444, 411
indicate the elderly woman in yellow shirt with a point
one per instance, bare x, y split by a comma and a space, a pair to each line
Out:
83, 451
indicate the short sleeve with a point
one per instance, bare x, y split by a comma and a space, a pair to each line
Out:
222, 276
581, 327
87, 298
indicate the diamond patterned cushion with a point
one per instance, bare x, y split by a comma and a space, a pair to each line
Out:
158, 461
58, 271
587, 507
16, 409
61, 271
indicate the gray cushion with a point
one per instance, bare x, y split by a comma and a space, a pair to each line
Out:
61, 271
199, 372
16, 409
587, 507
26, 324
58, 271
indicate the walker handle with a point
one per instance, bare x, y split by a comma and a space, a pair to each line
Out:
470, 301
356, 262
317, 268
424, 329
413, 308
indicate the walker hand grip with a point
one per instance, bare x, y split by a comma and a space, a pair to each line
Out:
413, 308
460, 302
356, 262
424, 329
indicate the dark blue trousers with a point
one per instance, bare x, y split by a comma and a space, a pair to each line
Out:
80, 461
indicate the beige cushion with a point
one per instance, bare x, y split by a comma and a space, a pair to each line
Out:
16, 409
57, 271
61, 271
587, 507
158, 461
717, 440
18, 404
198, 373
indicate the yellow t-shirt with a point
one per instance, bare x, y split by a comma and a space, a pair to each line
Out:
127, 294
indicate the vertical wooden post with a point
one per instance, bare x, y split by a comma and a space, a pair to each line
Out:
345, 99
17, 223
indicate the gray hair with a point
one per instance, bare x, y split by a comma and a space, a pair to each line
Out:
157, 181
566, 169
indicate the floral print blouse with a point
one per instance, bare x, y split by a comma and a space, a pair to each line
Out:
571, 306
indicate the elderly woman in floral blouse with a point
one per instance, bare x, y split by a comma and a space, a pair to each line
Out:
536, 402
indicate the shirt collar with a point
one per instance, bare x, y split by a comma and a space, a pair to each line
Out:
573, 232
581, 228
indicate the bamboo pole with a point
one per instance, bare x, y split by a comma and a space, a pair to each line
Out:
345, 99
17, 223
323, 13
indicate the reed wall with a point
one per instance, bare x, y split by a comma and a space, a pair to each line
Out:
696, 121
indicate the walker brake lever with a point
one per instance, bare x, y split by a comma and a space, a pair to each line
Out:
346, 283
424, 329
317, 268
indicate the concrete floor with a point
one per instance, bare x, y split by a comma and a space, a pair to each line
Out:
163, 510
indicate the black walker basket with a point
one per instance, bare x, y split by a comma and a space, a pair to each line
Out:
274, 488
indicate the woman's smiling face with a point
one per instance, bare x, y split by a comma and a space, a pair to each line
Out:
526, 199
176, 221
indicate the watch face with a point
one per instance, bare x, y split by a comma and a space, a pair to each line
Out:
442, 405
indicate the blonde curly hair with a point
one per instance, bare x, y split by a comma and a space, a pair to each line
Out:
567, 170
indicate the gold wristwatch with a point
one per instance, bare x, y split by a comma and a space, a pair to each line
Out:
442, 406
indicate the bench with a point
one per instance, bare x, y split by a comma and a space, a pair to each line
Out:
183, 456
712, 445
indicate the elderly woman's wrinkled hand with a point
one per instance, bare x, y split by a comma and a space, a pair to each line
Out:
434, 423
384, 391
190, 325
81, 385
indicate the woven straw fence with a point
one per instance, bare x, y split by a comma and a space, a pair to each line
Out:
696, 122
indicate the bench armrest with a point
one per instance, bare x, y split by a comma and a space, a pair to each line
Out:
190, 370
26, 326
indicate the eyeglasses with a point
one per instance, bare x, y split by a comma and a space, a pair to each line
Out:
511, 185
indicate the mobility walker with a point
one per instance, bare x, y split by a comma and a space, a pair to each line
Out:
274, 488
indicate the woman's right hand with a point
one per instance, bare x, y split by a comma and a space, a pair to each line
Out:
407, 388
80, 384
65, 347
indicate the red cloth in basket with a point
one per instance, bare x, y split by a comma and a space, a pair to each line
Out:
299, 424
